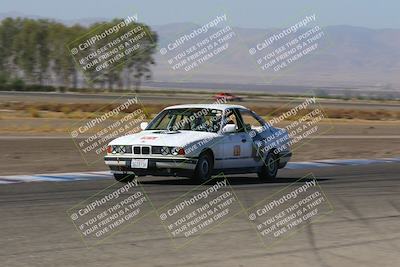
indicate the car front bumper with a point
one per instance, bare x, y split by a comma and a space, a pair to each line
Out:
122, 164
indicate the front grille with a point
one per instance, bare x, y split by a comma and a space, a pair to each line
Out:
141, 150
136, 150
155, 150
145, 150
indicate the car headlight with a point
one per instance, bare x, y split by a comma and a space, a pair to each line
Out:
119, 149
165, 150
178, 151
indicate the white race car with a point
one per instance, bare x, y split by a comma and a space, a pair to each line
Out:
199, 140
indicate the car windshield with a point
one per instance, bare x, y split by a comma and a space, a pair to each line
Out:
187, 119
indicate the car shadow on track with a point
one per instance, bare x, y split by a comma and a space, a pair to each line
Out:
232, 181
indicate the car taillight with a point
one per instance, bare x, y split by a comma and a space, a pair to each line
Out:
181, 151
109, 149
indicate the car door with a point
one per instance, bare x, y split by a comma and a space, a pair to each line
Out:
254, 126
237, 146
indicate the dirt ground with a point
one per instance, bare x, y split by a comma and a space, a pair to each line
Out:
30, 155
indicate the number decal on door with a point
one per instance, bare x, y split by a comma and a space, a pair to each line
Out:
236, 150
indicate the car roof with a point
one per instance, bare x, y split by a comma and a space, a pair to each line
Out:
207, 106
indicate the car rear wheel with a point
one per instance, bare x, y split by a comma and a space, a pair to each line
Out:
124, 178
269, 168
204, 167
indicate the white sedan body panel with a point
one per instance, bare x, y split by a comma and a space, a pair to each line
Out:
163, 138
238, 153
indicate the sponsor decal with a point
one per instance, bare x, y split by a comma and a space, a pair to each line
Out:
148, 137
236, 150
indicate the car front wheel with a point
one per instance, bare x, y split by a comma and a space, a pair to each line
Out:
269, 168
204, 167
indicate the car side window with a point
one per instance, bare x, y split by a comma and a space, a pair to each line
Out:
250, 121
231, 117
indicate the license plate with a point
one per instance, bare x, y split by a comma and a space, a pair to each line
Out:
139, 163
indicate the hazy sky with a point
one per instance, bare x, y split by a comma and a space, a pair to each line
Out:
259, 14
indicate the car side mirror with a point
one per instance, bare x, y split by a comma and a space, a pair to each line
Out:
144, 125
229, 128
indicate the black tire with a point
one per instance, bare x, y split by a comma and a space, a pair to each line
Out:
124, 178
270, 167
204, 167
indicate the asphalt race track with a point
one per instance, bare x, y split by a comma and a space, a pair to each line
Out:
362, 230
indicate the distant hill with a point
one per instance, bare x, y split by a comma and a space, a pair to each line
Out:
83, 21
346, 56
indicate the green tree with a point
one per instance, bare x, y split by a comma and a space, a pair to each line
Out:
64, 65
9, 29
139, 64
35, 51
31, 47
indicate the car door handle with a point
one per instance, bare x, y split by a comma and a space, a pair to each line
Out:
244, 140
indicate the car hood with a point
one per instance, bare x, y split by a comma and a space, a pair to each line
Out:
163, 138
